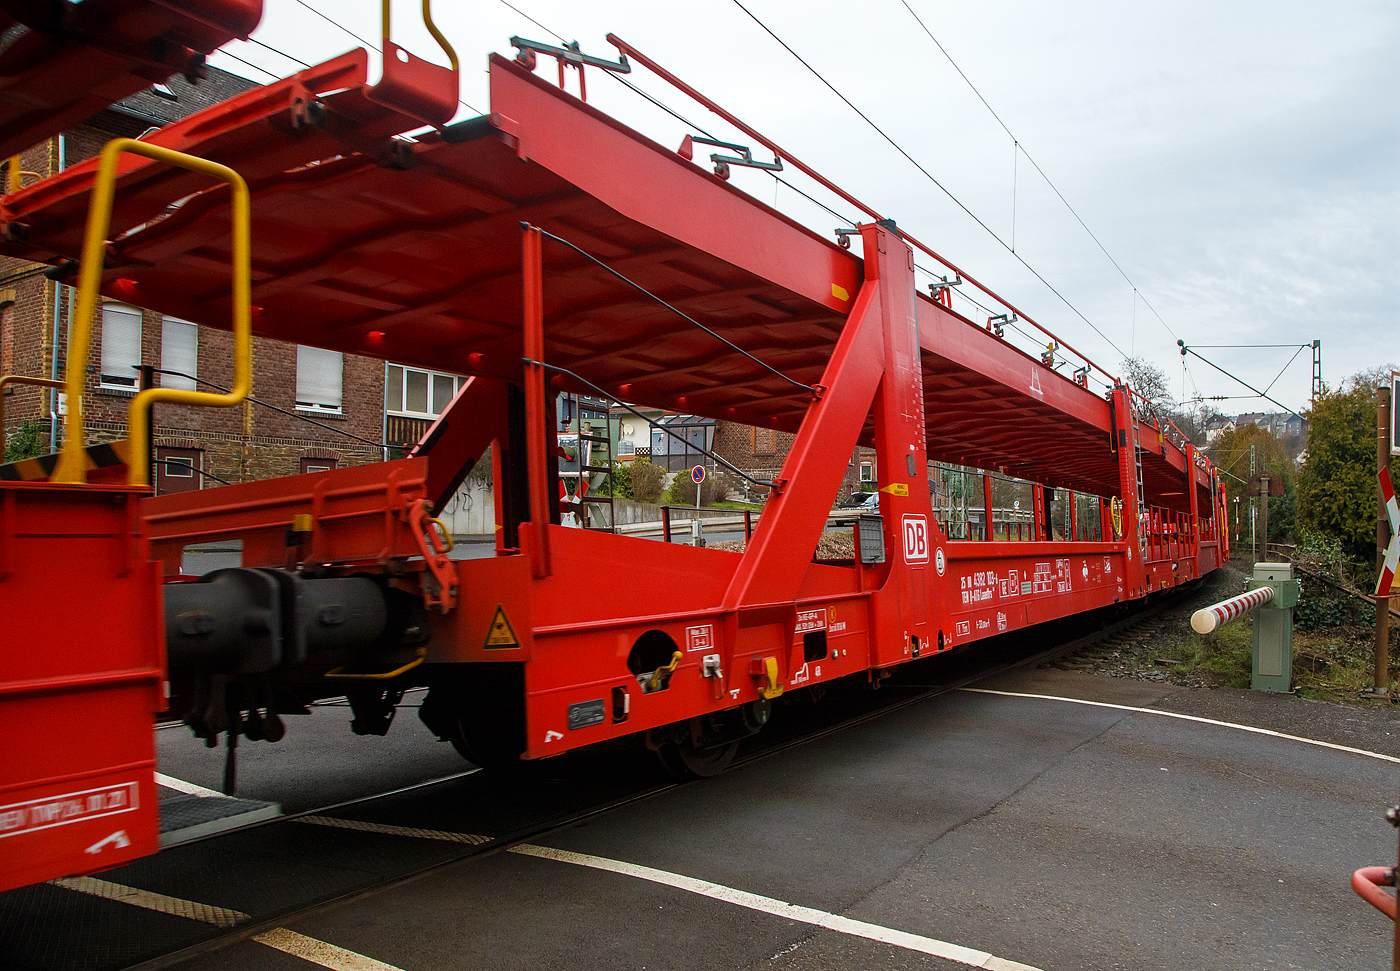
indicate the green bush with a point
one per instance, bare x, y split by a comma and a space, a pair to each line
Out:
26, 443
621, 481
682, 492
645, 480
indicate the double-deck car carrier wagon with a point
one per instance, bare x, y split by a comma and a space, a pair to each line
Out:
541, 249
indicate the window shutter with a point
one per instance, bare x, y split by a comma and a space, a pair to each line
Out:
318, 379
121, 346
393, 388
179, 351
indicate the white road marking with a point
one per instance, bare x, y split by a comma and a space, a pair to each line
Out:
290, 942
319, 952
779, 908
1193, 718
218, 916
189, 788
426, 834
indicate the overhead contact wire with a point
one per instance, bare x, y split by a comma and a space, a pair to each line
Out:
958, 202
372, 47
226, 53
1054, 188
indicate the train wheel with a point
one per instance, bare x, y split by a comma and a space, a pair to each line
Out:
496, 747
685, 761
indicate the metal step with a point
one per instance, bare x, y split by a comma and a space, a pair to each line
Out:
185, 817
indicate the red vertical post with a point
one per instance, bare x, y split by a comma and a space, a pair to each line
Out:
901, 446
1195, 540
987, 507
537, 461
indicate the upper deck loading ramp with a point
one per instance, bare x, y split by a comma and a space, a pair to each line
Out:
411, 251
64, 62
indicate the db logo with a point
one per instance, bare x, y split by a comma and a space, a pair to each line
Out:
915, 539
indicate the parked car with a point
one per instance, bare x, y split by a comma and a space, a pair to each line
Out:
860, 502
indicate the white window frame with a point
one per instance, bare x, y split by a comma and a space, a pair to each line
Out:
116, 344
311, 387
867, 471
398, 395
175, 357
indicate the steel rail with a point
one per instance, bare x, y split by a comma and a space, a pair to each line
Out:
826, 183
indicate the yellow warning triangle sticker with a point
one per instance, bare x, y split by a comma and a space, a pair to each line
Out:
501, 633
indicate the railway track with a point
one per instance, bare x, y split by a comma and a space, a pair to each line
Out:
506, 812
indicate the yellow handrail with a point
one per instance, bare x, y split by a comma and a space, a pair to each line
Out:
432, 29
17, 175
72, 464
20, 379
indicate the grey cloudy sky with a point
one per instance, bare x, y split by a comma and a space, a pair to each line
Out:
1238, 160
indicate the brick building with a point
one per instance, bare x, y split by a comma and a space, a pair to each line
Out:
761, 452
343, 393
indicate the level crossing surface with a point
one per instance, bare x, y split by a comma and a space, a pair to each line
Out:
1022, 826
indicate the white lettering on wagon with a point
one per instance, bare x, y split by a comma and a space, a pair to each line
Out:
810, 620
71, 807
701, 638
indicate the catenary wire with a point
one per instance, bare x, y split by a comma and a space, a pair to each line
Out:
1063, 299
372, 47
226, 53
254, 40
1285, 367
1033, 162
338, 25
1246, 384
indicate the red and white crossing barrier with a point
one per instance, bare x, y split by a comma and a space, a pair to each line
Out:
1209, 618
1392, 553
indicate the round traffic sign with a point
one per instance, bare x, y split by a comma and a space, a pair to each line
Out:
697, 474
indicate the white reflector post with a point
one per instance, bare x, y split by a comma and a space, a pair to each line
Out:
1209, 618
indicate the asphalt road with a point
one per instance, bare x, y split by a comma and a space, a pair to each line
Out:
1054, 834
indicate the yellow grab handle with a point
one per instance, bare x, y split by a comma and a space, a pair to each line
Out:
665, 671
432, 29
72, 465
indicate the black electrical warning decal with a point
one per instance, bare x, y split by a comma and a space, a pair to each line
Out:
501, 635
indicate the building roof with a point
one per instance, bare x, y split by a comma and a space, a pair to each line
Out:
177, 98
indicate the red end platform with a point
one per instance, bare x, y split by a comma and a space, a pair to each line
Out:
82, 668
